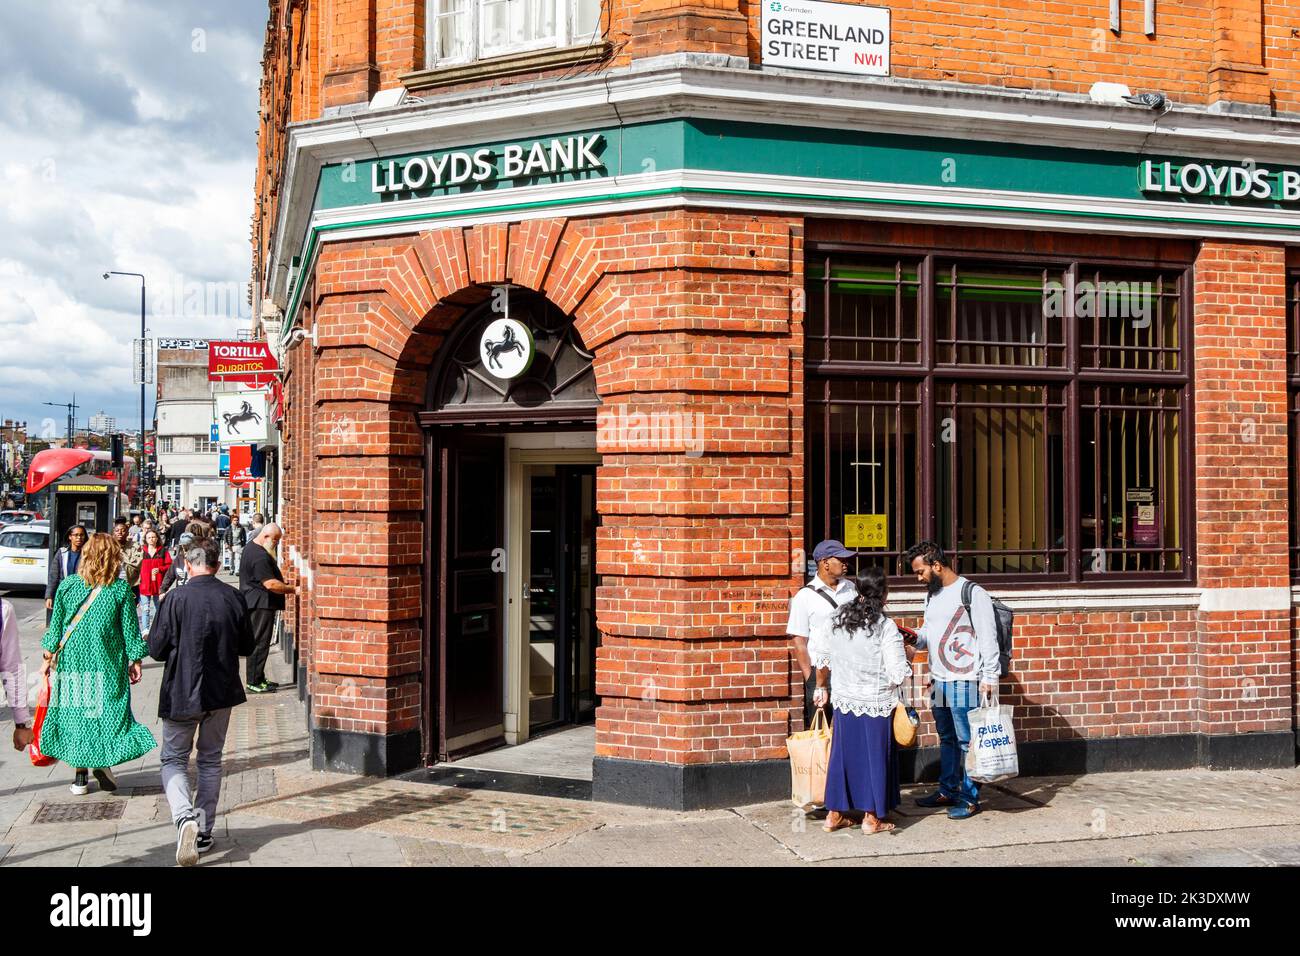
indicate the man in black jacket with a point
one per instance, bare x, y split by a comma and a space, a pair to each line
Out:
201, 631
264, 590
177, 528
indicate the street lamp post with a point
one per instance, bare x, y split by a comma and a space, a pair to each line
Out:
71, 408
143, 376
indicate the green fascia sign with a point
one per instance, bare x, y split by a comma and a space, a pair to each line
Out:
803, 152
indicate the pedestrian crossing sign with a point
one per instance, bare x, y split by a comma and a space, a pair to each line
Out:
866, 531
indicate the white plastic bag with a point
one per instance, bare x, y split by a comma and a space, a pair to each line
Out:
992, 753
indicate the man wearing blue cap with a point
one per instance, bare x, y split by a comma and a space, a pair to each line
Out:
811, 609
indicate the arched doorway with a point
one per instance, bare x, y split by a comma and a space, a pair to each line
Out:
510, 617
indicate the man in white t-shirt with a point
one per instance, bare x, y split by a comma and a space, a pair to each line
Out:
810, 612
964, 666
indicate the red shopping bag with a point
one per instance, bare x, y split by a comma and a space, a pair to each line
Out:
43, 698
42, 705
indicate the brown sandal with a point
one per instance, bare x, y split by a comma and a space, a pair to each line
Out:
837, 821
882, 826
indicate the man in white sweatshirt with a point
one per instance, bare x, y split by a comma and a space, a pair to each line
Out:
964, 666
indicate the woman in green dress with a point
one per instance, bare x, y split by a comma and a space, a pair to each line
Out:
89, 723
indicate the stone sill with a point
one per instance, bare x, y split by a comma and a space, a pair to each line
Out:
507, 65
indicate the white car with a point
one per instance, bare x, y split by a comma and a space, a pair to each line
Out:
25, 555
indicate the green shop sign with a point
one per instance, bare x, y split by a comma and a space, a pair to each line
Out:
1220, 181
514, 162
771, 159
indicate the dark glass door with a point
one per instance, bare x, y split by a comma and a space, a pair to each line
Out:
578, 490
562, 635
470, 685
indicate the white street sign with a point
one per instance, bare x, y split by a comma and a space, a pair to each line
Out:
834, 37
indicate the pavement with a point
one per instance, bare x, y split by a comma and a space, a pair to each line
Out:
276, 811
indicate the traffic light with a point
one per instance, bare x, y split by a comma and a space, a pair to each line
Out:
116, 451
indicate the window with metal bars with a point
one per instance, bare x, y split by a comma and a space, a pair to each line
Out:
1293, 403
1028, 416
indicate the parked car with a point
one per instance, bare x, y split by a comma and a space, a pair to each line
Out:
17, 517
24, 555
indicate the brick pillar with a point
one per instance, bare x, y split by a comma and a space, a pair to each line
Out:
675, 26
366, 508
399, 39
1238, 77
351, 74
1243, 631
700, 430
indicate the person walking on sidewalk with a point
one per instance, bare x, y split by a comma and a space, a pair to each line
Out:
238, 539
13, 675
177, 528
811, 609
864, 651
131, 554
93, 647
200, 634
964, 666
153, 568
64, 564
176, 574
264, 589
222, 525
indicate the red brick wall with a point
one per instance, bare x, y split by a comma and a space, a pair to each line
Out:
678, 651
701, 537
1097, 674
1203, 51
1178, 671
1242, 470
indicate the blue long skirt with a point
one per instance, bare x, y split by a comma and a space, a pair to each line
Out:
863, 770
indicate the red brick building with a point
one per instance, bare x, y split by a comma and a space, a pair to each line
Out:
596, 315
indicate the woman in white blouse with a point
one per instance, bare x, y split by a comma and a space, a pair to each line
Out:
864, 650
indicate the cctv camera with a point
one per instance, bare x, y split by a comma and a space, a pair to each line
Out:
105, 275
297, 336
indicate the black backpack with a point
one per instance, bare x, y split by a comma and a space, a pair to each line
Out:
1003, 617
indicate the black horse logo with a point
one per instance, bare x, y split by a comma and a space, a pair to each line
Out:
246, 414
508, 344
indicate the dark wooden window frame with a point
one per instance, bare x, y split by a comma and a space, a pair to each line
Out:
931, 375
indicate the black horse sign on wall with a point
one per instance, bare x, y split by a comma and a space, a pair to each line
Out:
245, 414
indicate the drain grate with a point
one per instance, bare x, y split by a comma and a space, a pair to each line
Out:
80, 812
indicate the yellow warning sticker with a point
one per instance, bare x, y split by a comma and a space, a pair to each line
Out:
866, 531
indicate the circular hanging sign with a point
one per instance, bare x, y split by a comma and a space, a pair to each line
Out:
506, 348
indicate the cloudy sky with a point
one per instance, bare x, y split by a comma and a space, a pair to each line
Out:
127, 141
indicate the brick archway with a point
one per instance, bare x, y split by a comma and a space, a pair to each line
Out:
689, 314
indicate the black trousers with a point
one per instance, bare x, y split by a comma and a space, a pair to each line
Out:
809, 710
263, 621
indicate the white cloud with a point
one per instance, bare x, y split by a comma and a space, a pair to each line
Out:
124, 147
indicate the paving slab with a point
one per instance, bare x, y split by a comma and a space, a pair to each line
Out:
275, 811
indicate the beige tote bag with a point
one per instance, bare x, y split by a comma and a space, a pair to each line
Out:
810, 754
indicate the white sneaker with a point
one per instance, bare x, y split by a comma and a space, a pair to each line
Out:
187, 852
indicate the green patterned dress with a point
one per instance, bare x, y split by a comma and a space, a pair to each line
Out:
89, 721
